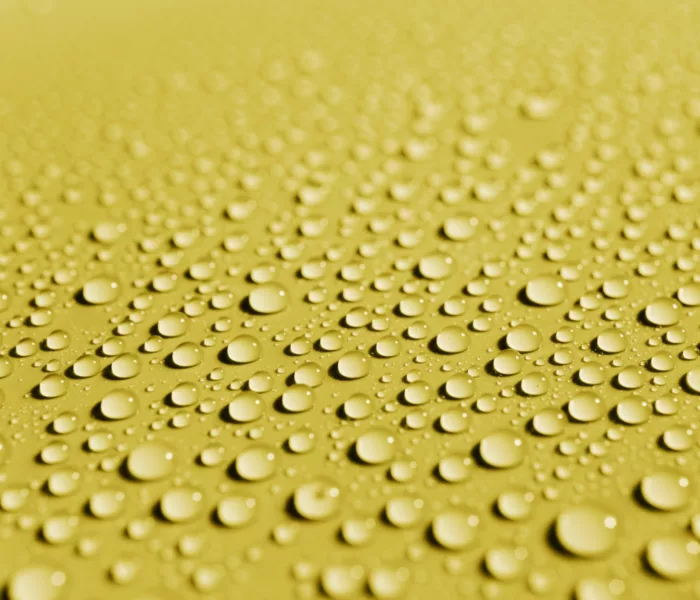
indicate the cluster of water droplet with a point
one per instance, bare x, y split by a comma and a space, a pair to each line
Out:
451, 323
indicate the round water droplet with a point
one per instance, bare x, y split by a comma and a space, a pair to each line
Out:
610, 341
53, 386
343, 582
586, 531
665, 490
244, 349
179, 505
173, 325
317, 500
502, 449
376, 446
524, 338
548, 422
236, 511
515, 504
692, 381
459, 387
268, 298
404, 511
245, 408
186, 355
298, 398
505, 562
119, 404
107, 503
662, 312
358, 406
437, 265
126, 366
184, 394
150, 461
585, 407
100, 290
37, 582
633, 411
256, 463
452, 340
388, 583
508, 362
455, 468
673, 557
455, 530
545, 291
354, 365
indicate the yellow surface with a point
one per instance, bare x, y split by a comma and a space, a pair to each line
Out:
461, 240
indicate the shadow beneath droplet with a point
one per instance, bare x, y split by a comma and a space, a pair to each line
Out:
157, 514
478, 459
222, 355
107, 373
335, 373
615, 382
433, 347
354, 457
638, 497
244, 305
225, 416
291, 510
215, 520
124, 472
612, 415
642, 318
374, 353
95, 413
278, 405
340, 413
435, 472
491, 369
233, 474
497, 513
686, 386
36, 394
430, 538
522, 297
169, 362
397, 312
71, 374
553, 541
79, 297
648, 569
530, 428
85, 509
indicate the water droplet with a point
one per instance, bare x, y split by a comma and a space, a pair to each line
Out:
151, 461
119, 404
256, 463
455, 530
268, 298
545, 291
586, 531
376, 446
317, 500
101, 290
502, 449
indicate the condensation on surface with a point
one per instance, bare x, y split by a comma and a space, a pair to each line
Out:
344, 300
